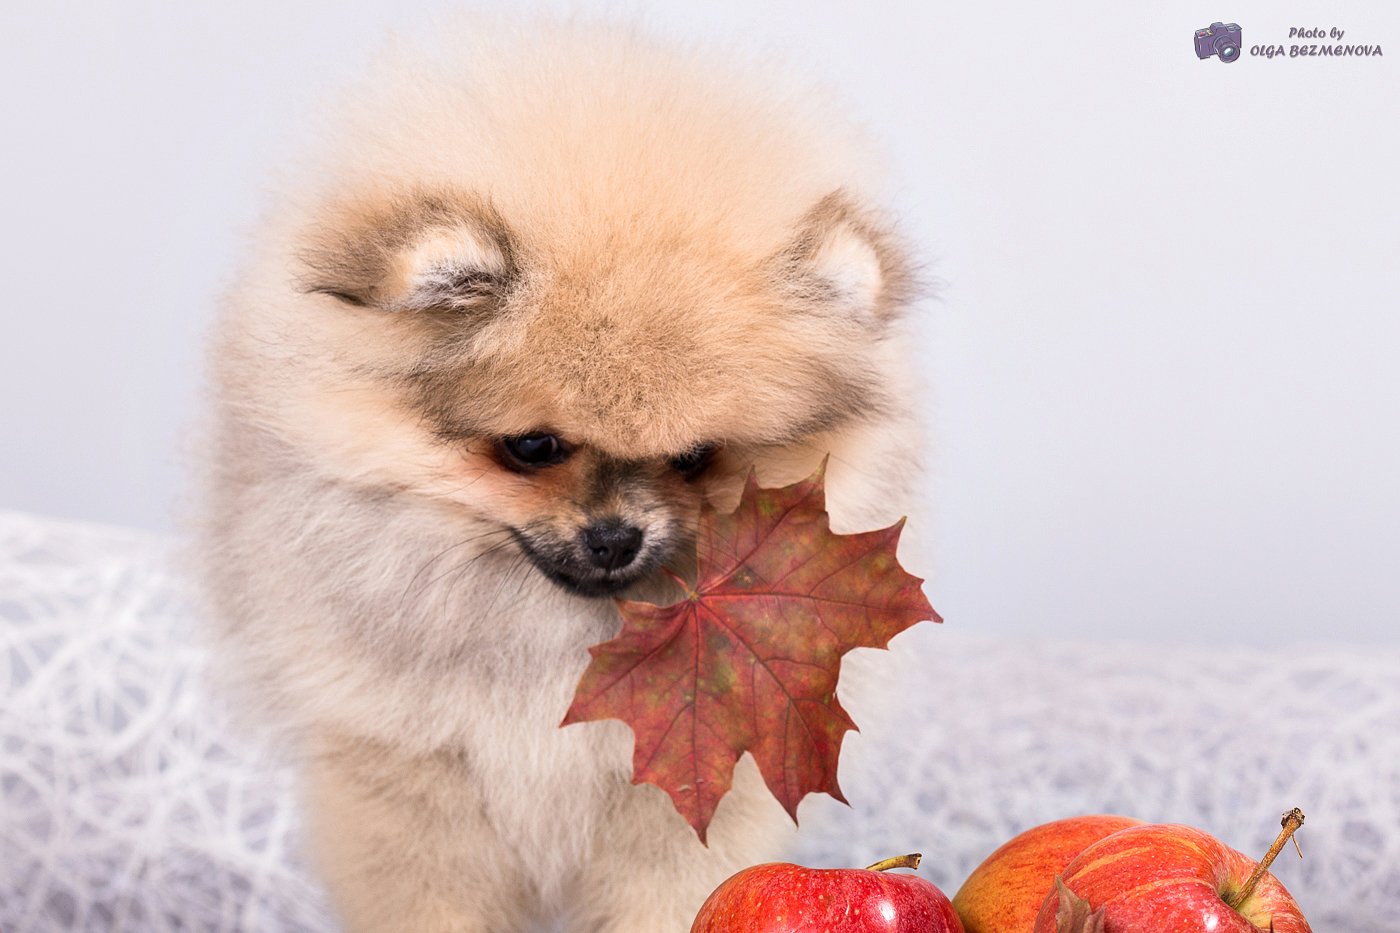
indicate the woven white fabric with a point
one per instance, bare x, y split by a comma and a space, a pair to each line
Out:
125, 802
127, 805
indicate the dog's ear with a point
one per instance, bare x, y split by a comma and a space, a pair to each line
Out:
844, 261
426, 254
459, 268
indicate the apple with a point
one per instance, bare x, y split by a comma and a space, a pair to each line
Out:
779, 897
1004, 893
1166, 878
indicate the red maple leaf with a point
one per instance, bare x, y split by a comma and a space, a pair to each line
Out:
749, 660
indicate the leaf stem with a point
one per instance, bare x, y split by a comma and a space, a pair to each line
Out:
689, 593
1291, 821
899, 861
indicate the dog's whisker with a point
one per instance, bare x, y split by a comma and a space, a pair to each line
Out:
459, 571
463, 543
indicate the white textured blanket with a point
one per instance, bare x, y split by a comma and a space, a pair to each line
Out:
127, 805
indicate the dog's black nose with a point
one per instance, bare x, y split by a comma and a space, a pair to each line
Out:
612, 544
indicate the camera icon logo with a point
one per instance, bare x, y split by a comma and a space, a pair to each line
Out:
1221, 39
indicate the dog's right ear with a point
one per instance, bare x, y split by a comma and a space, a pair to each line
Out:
427, 254
845, 262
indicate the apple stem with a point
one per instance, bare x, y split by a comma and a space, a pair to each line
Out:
1291, 821
899, 861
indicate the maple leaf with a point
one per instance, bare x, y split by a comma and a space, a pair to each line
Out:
749, 660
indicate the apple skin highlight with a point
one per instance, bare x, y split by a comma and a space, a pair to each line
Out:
1167, 878
1004, 893
779, 897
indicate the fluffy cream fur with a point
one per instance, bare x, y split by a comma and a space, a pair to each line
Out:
640, 250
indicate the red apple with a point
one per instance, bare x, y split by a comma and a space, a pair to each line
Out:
1004, 893
1165, 878
782, 898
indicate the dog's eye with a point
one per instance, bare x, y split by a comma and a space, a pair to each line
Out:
694, 460
536, 449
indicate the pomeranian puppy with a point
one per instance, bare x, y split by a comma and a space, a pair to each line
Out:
543, 291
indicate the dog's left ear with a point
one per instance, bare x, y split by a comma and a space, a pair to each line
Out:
845, 262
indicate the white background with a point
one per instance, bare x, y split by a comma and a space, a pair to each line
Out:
1164, 362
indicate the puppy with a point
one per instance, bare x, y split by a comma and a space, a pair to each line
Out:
543, 291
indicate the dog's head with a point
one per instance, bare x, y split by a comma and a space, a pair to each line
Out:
576, 311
